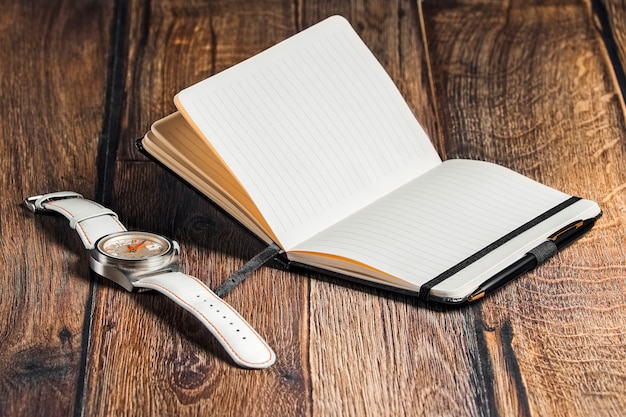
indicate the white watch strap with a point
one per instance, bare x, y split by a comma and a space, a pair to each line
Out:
90, 219
234, 333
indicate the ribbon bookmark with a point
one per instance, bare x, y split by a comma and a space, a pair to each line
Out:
249, 267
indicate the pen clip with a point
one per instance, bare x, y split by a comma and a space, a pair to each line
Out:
566, 230
571, 232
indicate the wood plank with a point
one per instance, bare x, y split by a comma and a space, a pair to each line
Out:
53, 63
176, 367
528, 86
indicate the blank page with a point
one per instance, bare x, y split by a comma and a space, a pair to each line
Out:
313, 128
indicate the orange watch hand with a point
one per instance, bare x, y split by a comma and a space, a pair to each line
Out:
137, 246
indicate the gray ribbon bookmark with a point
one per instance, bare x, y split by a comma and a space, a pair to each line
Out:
242, 273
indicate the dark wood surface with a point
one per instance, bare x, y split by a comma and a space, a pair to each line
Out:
535, 86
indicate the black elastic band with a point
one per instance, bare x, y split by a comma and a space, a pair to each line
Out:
425, 288
242, 273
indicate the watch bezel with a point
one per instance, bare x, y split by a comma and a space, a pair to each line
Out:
134, 262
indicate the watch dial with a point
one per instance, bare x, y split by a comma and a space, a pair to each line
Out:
134, 245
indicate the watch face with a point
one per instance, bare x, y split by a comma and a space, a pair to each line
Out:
134, 246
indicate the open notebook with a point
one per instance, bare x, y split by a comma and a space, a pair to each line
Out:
310, 145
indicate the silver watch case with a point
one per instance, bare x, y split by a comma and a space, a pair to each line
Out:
125, 272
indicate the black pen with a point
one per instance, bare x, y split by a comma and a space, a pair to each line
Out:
530, 260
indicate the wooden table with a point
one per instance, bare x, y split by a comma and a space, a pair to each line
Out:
535, 86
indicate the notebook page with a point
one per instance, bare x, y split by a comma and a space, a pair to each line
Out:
429, 225
313, 128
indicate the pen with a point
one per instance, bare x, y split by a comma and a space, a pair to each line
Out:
557, 241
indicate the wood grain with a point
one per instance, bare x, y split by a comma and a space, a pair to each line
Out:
528, 86
52, 91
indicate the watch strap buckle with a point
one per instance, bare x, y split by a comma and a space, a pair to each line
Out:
35, 203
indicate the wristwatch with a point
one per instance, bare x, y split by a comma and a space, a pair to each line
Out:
147, 261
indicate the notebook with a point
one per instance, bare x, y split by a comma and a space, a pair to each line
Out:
311, 146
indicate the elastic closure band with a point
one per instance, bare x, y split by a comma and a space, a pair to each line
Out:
425, 288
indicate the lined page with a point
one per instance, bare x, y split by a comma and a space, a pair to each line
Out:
434, 222
313, 128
